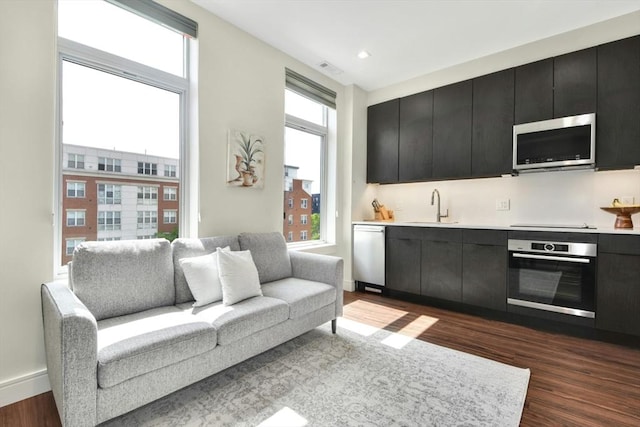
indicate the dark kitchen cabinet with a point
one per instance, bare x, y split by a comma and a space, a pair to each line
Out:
403, 258
382, 142
492, 126
618, 111
484, 269
534, 91
442, 264
415, 140
618, 285
452, 109
574, 81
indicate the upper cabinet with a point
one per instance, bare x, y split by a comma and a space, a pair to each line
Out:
465, 130
452, 131
534, 92
382, 142
416, 133
574, 81
492, 127
618, 113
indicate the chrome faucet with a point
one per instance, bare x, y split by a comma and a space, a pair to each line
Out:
439, 216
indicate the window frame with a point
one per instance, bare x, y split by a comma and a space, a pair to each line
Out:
165, 213
188, 200
328, 169
76, 218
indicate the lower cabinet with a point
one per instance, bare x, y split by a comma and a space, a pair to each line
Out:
618, 285
403, 255
442, 264
484, 269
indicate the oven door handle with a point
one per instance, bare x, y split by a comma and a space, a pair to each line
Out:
551, 258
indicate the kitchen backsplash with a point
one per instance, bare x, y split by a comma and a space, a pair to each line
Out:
563, 197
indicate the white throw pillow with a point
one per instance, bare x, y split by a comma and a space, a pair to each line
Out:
202, 277
238, 276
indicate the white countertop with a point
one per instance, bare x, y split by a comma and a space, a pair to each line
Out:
601, 230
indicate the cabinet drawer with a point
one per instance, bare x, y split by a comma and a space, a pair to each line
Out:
485, 237
404, 232
619, 244
442, 234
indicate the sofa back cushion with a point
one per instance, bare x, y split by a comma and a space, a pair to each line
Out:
123, 277
270, 254
187, 248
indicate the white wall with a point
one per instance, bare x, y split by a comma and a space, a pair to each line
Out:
554, 197
241, 86
27, 65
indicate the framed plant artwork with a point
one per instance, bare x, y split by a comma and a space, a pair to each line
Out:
245, 162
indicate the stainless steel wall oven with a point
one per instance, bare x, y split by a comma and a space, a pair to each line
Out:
553, 276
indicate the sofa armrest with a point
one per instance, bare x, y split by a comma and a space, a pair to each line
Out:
320, 268
71, 344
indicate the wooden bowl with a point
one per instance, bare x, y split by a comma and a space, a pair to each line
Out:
623, 214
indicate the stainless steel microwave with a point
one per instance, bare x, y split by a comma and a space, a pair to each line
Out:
563, 143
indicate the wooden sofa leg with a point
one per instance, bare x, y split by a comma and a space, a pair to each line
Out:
334, 323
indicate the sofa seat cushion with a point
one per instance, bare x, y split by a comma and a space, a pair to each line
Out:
138, 343
303, 296
237, 321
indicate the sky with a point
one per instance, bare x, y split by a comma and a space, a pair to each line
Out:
105, 111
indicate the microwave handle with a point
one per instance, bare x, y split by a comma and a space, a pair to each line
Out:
551, 258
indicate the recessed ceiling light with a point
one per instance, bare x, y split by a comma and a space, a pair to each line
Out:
363, 54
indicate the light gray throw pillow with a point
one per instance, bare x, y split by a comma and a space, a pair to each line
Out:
238, 276
269, 252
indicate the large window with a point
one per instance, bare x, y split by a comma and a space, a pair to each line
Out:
124, 80
309, 170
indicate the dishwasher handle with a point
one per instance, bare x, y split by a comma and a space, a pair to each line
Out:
369, 228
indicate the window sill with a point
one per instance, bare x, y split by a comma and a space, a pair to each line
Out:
325, 248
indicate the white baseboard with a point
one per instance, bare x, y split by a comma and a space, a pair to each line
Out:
24, 387
349, 285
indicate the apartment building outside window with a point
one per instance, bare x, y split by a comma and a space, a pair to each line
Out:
109, 194
109, 165
75, 218
147, 219
170, 193
147, 168
75, 190
170, 171
147, 195
124, 81
71, 245
170, 217
75, 161
310, 147
109, 220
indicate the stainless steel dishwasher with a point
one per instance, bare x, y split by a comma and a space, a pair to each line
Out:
368, 255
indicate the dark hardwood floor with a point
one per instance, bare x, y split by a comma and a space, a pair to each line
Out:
574, 382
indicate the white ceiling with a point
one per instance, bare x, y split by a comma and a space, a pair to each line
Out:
406, 38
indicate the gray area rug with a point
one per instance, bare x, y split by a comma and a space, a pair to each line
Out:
360, 377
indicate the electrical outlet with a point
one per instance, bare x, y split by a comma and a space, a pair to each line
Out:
627, 200
502, 204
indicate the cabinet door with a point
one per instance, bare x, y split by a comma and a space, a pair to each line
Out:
442, 270
618, 111
492, 129
416, 131
403, 265
382, 142
534, 91
618, 293
452, 131
574, 81
484, 275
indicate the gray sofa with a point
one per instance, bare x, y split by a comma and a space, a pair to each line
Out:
124, 332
